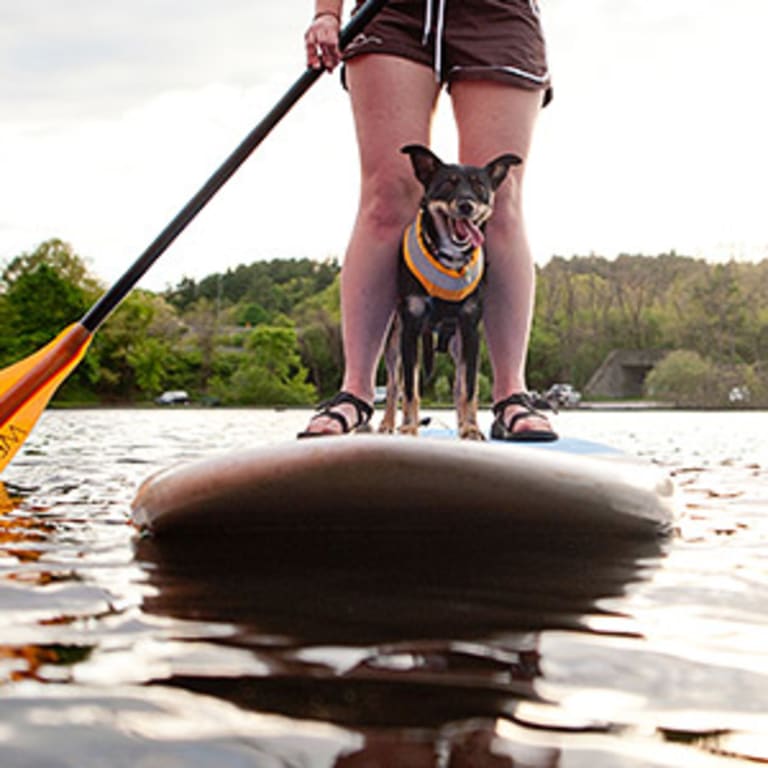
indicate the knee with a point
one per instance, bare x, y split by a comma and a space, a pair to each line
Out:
388, 203
507, 216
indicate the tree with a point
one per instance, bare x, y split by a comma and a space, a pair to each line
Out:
718, 317
148, 357
42, 293
58, 256
137, 349
202, 320
269, 373
686, 378
318, 322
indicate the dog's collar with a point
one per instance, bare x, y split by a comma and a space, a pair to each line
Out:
437, 280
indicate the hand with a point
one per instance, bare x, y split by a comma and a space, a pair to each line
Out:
322, 42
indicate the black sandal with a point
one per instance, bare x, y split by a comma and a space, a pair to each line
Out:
364, 413
502, 431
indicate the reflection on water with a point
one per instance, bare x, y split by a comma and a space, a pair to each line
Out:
390, 631
464, 649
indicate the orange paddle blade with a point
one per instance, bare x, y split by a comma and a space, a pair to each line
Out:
27, 386
6, 503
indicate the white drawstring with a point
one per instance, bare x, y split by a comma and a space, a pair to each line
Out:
427, 21
439, 29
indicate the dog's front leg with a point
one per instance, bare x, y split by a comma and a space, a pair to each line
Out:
394, 375
413, 318
467, 342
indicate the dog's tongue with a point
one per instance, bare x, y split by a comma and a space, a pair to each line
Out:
466, 230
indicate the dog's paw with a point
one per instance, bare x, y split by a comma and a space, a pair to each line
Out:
409, 429
471, 432
386, 428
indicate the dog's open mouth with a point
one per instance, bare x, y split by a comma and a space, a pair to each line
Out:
457, 234
465, 232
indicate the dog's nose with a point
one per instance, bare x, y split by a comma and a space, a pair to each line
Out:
465, 208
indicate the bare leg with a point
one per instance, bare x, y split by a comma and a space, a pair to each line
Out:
494, 118
393, 101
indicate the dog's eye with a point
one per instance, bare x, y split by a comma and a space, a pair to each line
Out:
447, 186
480, 189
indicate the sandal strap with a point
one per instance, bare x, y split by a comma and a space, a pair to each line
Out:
502, 431
518, 398
364, 410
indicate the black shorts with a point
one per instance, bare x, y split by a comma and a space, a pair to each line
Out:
497, 40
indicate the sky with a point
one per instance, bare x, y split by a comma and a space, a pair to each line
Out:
114, 112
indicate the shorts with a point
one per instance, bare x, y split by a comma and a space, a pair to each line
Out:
497, 40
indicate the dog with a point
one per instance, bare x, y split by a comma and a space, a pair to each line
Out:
441, 271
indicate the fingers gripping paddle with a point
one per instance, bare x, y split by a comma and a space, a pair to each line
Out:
27, 386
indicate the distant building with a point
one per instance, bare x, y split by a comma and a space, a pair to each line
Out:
623, 373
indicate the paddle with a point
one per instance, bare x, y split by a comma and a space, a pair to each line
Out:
27, 386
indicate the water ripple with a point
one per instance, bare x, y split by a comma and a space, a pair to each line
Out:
308, 653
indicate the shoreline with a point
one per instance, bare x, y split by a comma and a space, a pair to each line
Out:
589, 406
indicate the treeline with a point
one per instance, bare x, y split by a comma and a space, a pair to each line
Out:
710, 319
269, 332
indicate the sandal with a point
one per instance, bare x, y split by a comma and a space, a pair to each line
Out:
502, 431
325, 410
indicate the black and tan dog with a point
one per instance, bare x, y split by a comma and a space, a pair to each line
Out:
440, 279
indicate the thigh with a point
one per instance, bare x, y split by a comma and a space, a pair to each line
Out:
393, 101
493, 118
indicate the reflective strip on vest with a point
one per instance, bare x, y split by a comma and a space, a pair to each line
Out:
437, 281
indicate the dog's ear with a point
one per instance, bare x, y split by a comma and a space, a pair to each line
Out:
497, 169
425, 162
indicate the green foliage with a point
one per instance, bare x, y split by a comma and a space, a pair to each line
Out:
41, 303
147, 357
686, 379
134, 352
58, 256
42, 293
269, 332
318, 322
251, 314
275, 286
443, 389
543, 355
589, 306
269, 373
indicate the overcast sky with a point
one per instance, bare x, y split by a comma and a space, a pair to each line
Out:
114, 112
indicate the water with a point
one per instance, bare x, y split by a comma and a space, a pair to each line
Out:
114, 652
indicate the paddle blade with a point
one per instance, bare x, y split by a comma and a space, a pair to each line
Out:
27, 386
6, 503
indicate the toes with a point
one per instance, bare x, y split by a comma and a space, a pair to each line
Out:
320, 425
528, 423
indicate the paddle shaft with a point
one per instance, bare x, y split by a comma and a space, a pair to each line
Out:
112, 298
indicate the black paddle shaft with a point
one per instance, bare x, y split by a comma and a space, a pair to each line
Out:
110, 300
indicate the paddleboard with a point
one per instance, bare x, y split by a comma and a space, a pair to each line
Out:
571, 490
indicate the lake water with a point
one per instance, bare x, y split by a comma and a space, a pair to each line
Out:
115, 653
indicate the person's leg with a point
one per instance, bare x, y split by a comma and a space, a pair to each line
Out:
393, 101
493, 118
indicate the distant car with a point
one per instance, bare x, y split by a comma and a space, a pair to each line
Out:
739, 395
173, 397
563, 396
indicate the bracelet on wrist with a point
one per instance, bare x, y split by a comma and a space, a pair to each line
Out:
320, 14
